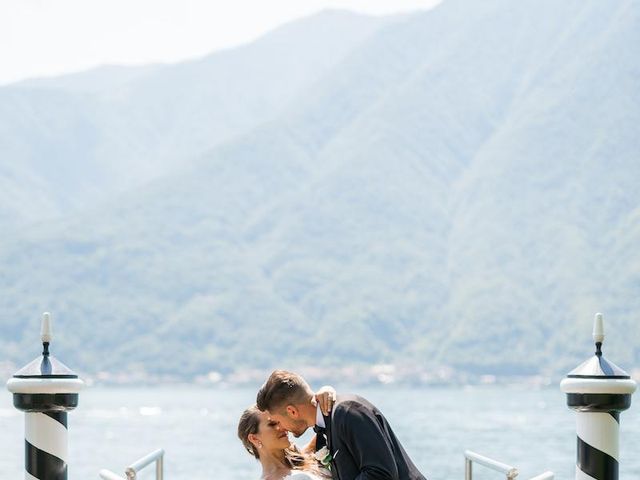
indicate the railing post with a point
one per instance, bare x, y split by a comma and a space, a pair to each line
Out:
160, 468
468, 472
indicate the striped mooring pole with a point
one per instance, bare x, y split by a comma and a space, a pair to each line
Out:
45, 390
598, 390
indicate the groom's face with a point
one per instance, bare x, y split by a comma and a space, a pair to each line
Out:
289, 419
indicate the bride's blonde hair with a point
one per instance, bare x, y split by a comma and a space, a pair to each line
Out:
293, 458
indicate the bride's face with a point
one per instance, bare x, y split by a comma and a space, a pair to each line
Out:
272, 436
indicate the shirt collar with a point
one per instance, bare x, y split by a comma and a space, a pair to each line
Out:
320, 417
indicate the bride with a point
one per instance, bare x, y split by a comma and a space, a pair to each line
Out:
280, 459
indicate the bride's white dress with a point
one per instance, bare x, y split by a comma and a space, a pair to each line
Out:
302, 476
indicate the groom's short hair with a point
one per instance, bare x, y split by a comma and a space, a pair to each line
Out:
283, 388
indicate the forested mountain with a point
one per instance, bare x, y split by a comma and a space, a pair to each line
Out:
458, 187
77, 140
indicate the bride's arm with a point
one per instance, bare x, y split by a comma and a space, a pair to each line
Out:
325, 397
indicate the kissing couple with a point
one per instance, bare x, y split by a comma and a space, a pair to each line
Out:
353, 440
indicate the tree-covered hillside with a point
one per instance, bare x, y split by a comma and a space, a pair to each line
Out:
455, 188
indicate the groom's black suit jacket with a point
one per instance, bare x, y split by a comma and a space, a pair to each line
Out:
363, 444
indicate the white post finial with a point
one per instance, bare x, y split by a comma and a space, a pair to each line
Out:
45, 330
598, 329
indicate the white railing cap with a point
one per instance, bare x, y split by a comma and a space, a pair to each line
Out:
490, 463
109, 475
144, 461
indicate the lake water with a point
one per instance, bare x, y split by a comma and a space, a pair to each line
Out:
529, 428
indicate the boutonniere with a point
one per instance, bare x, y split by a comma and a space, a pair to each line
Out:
324, 457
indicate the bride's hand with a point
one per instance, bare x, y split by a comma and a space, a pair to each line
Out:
325, 397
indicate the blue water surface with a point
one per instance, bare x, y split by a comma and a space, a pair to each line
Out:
529, 428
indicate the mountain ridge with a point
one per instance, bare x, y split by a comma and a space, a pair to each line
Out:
451, 203
117, 138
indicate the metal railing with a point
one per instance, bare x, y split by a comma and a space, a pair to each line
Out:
510, 472
544, 476
132, 470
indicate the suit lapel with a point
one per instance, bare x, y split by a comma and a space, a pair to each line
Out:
330, 444
327, 425
321, 440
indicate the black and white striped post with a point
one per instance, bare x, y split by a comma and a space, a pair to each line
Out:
45, 390
598, 390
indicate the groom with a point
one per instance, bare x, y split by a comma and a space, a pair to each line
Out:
359, 439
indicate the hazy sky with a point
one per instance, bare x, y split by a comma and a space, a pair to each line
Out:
48, 37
